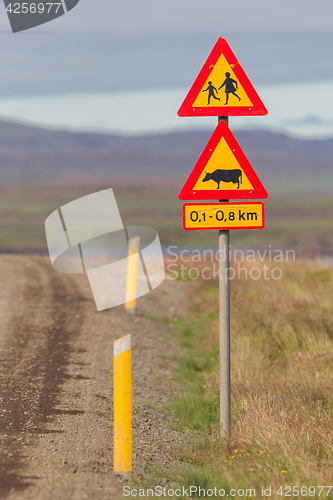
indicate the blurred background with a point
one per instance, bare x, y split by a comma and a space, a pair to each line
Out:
89, 101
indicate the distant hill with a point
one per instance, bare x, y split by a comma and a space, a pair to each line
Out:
283, 164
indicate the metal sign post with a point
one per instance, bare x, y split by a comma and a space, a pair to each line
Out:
224, 296
223, 171
224, 303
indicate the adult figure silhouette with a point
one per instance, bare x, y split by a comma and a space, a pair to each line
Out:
230, 87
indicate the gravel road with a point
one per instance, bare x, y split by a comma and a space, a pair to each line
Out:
56, 362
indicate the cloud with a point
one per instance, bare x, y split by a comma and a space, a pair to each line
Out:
106, 45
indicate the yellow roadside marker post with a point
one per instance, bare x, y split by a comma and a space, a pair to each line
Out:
132, 273
122, 398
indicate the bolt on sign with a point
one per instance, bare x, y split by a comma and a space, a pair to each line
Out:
222, 171
241, 215
222, 88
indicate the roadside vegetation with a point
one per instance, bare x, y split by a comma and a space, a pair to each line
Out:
298, 222
282, 386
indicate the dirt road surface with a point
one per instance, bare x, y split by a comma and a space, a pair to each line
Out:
56, 371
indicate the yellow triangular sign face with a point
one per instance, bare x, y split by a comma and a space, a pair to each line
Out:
222, 88
222, 172
222, 159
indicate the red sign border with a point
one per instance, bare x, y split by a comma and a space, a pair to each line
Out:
222, 47
224, 227
222, 131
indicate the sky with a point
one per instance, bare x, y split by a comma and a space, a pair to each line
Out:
126, 66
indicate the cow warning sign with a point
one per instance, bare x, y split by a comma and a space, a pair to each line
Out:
222, 172
222, 88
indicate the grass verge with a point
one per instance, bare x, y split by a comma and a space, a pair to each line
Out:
282, 387
302, 222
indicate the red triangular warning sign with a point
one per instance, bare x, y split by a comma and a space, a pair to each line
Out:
222, 88
222, 172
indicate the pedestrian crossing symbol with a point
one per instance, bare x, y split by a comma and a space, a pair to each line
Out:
222, 88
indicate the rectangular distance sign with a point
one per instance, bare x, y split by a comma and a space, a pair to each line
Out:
250, 215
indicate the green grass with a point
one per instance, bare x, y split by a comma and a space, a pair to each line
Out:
193, 408
300, 222
282, 384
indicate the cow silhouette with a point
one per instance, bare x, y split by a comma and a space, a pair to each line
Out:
234, 176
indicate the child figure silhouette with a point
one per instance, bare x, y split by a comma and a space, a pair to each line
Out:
230, 87
211, 92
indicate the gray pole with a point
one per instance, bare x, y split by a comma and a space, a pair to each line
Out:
224, 286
